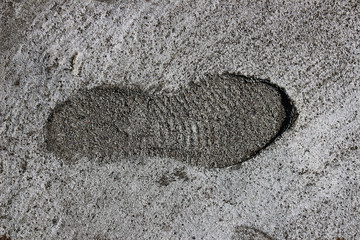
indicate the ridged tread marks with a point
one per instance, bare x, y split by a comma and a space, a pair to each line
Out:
196, 115
195, 120
223, 132
205, 124
180, 138
212, 124
177, 121
215, 119
158, 117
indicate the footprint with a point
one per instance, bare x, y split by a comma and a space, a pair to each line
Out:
216, 122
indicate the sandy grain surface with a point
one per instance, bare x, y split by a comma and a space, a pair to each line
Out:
303, 186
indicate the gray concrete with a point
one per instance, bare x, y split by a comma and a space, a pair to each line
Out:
303, 186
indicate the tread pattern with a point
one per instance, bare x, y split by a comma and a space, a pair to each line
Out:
216, 122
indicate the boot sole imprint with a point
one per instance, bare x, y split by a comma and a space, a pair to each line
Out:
217, 122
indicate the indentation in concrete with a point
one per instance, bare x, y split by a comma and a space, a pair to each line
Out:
216, 122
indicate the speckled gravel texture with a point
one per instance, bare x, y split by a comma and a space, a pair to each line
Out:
303, 186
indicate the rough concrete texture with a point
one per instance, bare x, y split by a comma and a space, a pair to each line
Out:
245, 232
217, 122
303, 186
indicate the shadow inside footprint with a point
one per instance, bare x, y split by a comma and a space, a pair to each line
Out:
216, 122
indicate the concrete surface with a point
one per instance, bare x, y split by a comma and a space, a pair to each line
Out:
303, 186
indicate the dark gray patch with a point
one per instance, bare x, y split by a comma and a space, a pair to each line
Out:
216, 122
17, 82
4, 237
181, 174
106, 1
23, 166
167, 178
249, 233
55, 221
